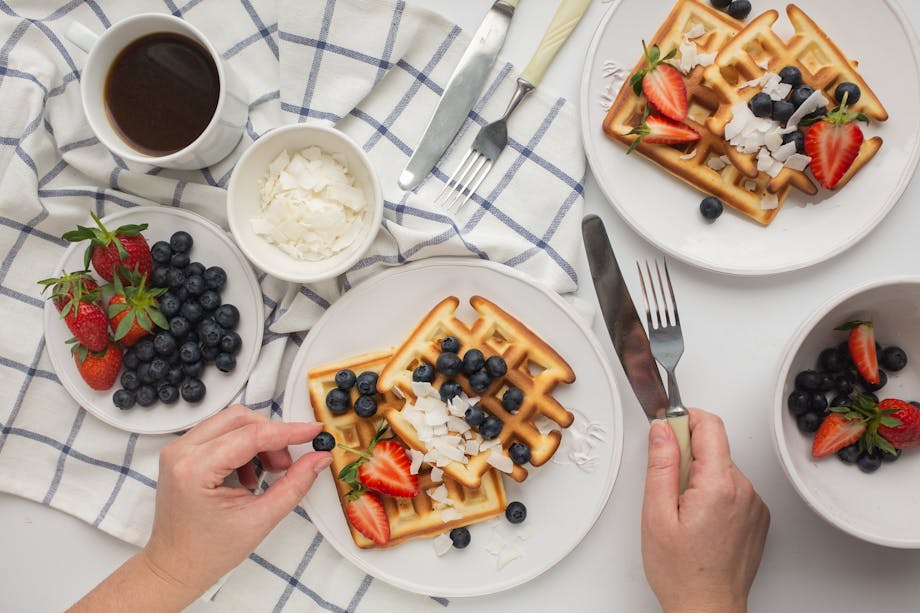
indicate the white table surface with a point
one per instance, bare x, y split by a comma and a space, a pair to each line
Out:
735, 331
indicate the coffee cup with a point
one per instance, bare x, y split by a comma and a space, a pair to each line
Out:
185, 111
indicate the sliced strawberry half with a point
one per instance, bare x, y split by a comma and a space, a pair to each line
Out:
387, 471
833, 144
861, 343
659, 130
365, 512
836, 432
662, 84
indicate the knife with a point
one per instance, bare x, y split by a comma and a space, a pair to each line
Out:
460, 94
629, 338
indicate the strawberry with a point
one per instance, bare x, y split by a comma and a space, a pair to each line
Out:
837, 431
365, 512
861, 343
659, 130
833, 144
134, 310
78, 299
99, 369
108, 251
387, 471
662, 84
905, 434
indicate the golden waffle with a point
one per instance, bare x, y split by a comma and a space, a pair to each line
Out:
533, 367
409, 517
823, 67
738, 190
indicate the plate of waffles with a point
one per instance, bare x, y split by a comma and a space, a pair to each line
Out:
524, 359
779, 214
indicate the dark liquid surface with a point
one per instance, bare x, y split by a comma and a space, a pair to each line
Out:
161, 92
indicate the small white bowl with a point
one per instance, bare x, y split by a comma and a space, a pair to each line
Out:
881, 507
243, 202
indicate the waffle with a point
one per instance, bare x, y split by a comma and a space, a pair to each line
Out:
823, 66
533, 367
409, 517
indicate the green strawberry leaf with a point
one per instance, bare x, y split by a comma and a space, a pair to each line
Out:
125, 325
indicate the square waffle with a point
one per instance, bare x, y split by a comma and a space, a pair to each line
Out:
408, 517
757, 49
533, 367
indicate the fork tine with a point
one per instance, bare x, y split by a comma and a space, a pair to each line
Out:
462, 187
665, 310
462, 180
648, 312
457, 174
482, 175
667, 276
651, 281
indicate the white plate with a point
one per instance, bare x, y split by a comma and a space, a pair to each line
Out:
212, 247
665, 210
379, 313
882, 507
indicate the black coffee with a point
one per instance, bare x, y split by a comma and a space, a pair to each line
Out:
161, 92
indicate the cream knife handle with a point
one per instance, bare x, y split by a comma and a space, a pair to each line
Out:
511, 3
564, 21
681, 427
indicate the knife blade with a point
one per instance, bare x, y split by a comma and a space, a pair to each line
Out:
629, 338
460, 93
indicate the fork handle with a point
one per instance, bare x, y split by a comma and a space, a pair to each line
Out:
681, 427
564, 21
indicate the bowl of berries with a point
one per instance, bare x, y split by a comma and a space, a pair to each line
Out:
846, 412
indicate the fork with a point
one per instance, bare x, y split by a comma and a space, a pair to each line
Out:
667, 343
493, 138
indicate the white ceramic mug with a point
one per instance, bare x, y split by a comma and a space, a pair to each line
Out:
219, 137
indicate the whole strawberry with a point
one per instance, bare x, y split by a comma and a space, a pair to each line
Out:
98, 368
906, 434
134, 310
109, 251
77, 297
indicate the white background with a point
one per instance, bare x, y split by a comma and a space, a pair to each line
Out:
735, 331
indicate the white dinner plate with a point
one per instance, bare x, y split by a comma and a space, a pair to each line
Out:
563, 499
212, 247
665, 210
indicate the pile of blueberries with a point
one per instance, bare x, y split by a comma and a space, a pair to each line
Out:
169, 363
837, 377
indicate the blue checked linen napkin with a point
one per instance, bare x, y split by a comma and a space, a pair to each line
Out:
375, 69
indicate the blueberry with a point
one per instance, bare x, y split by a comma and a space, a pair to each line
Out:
230, 342
145, 350
209, 353
849, 454
449, 389
175, 375
194, 285
711, 207
817, 402
164, 343
209, 300
874, 387
227, 316
158, 368
423, 373
192, 311
739, 9
798, 402
840, 400
179, 326
337, 401
146, 395
450, 344
209, 333
324, 442
143, 372
193, 369
124, 399
175, 278
807, 380
168, 393
159, 276
192, 336
831, 360
195, 268
800, 94
844, 349
215, 278
519, 453
915, 403
782, 110
365, 406
893, 358
843, 384
189, 352
170, 304
460, 537
798, 137
869, 462
791, 76
181, 241
129, 359
720, 4
850, 89
761, 105
516, 512
474, 415
826, 382
490, 427
872, 397
473, 360
160, 252
130, 380
345, 379
496, 366
366, 383
179, 260
181, 293
448, 363
512, 399
808, 422
225, 362
192, 390
480, 381
890, 457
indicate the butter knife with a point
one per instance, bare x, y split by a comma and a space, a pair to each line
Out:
460, 93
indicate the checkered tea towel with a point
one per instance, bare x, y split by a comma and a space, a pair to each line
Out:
373, 68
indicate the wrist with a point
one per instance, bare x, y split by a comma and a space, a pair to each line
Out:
726, 604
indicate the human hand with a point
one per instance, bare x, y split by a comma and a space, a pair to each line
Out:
700, 549
202, 529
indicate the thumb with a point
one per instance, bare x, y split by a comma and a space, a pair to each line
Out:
662, 477
285, 493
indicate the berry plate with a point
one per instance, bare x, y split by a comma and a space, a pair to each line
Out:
212, 246
665, 211
881, 507
378, 314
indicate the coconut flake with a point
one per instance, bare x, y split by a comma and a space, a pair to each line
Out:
689, 156
472, 448
784, 151
750, 185
797, 161
500, 461
741, 114
814, 102
695, 32
763, 64
495, 543
716, 163
775, 168
423, 389
437, 474
688, 57
769, 202
438, 494
489, 444
416, 458
442, 544
450, 514
508, 554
